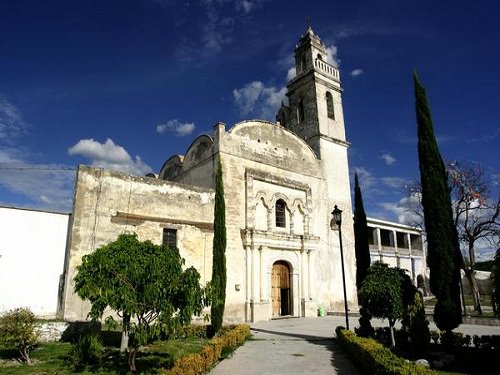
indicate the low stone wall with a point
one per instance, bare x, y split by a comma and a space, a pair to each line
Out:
52, 331
67, 331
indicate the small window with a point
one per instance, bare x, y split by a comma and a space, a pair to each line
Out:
300, 111
280, 214
329, 106
170, 238
320, 57
303, 64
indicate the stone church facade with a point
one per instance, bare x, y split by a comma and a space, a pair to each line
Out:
281, 182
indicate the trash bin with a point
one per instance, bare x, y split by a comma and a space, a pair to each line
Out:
321, 311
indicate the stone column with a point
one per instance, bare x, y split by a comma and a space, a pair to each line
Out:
309, 283
269, 219
379, 244
292, 214
248, 272
256, 274
261, 274
296, 294
304, 274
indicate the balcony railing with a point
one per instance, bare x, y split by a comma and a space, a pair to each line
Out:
327, 68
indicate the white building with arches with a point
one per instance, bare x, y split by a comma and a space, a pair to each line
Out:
281, 182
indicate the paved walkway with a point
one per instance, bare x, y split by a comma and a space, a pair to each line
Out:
304, 346
290, 346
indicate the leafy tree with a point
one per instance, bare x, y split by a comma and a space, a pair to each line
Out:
143, 281
218, 283
19, 328
360, 236
444, 258
476, 215
382, 294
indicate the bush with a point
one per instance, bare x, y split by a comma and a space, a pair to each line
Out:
193, 330
18, 328
451, 339
418, 329
374, 358
217, 348
87, 350
365, 328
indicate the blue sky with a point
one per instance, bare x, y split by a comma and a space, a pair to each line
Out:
126, 84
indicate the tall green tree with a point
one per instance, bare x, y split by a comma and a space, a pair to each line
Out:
444, 258
218, 283
360, 236
143, 282
382, 294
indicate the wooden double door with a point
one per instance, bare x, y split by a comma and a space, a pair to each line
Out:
281, 292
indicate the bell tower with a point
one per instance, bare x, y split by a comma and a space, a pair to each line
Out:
315, 114
315, 110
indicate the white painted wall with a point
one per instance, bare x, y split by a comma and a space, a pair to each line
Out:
32, 248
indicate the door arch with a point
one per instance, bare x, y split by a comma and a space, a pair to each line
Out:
281, 291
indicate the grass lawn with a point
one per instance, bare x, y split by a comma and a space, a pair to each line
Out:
53, 358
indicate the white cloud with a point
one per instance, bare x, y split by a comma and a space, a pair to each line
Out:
257, 99
356, 72
291, 73
47, 186
388, 158
404, 210
178, 128
247, 6
393, 182
331, 55
246, 97
12, 124
109, 155
108, 151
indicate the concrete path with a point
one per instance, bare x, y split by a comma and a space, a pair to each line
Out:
289, 346
304, 346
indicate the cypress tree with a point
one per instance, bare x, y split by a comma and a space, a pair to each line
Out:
360, 236
444, 257
219, 253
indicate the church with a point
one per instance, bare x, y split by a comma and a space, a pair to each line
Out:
281, 180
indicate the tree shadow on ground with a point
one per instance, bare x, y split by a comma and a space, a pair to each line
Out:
339, 359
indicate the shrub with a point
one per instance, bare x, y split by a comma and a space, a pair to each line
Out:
466, 341
193, 330
87, 350
418, 330
435, 336
365, 328
476, 341
217, 348
18, 328
374, 358
449, 338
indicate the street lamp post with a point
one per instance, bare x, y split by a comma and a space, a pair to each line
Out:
337, 220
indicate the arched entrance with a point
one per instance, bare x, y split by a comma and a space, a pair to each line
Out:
281, 293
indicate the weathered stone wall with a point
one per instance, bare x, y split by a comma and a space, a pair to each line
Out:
52, 331
273, 156
110, 203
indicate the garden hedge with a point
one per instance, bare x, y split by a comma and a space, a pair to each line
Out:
199, 363
373, 358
